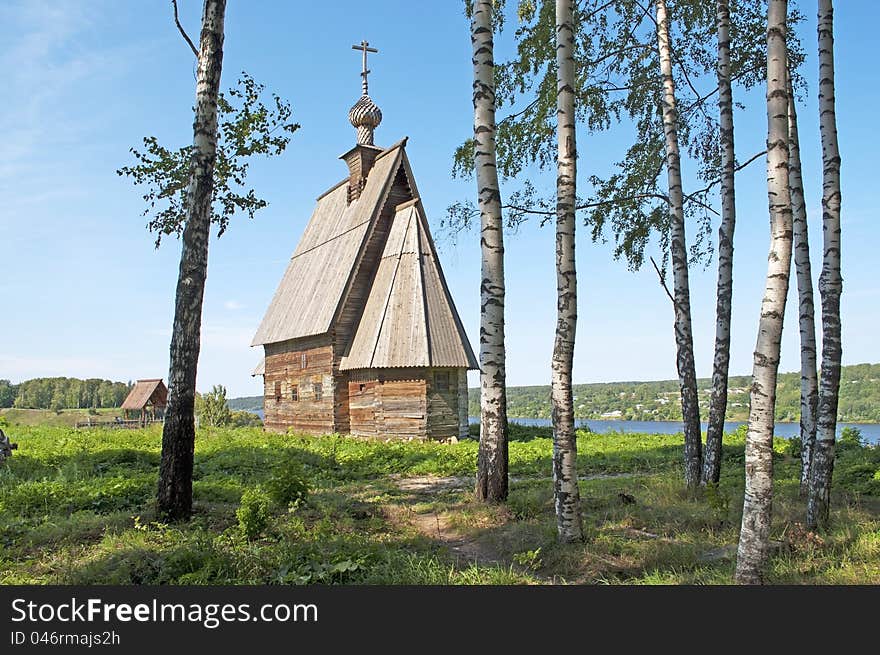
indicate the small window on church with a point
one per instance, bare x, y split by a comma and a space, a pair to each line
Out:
278, 391
441, 380
294, 392
304, 362
319, 391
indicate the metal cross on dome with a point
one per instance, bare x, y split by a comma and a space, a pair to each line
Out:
364, 46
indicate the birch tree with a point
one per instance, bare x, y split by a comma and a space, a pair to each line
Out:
830, 280
491, 482
565, 482
721, 363
806, 311
178, 434
246, 126
684, 340
758, 499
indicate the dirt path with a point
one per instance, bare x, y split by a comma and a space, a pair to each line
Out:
467, 550
436, 525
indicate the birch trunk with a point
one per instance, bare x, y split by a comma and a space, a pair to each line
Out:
178, 434
565, 483
806, 310
724, 294
492, 458
758, 502
830, 281
684, 341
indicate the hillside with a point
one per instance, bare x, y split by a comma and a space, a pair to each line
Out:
659, 401
245, 403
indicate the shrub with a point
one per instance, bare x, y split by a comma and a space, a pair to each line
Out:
287, 483
850, 438
860, 478
253, 513
243, 419
793, 447
211, 407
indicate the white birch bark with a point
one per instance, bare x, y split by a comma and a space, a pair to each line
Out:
830, 280
565, 483
491, 481
806, 310
178, 434
724, 294
463, 426
758, 501
687, 376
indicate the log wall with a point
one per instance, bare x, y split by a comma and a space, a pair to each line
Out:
442, 402
284, 371
388, 403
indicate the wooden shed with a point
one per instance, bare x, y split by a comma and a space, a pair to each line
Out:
362, 335
146, 401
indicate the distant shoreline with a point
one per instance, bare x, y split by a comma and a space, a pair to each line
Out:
623, 420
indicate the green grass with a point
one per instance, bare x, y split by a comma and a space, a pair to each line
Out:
78, 507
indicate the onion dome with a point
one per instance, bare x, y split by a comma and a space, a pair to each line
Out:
365, 116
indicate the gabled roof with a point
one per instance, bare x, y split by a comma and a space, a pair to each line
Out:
409, 318
144, 392
319, 271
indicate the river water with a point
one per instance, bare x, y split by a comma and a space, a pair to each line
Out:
870, 431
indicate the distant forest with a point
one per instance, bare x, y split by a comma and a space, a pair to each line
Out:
659, 401
63, 393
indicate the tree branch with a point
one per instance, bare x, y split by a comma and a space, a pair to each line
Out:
182, 31
690, 196
662, 281
589, 205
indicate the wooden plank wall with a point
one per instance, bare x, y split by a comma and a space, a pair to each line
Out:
284, 365
388, 403
362, 407
443, 419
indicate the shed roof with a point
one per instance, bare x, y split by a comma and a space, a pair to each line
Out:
145, 392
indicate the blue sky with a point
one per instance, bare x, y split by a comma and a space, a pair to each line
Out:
85, 294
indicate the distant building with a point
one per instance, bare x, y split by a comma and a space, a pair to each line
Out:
146, 401
362, 335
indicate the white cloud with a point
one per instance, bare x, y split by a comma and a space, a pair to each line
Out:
233, 305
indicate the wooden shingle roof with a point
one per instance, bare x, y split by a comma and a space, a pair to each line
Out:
319, 271
145, 392
409, 318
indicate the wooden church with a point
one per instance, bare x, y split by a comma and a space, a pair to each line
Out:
362, 336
